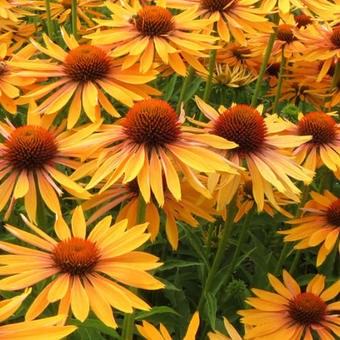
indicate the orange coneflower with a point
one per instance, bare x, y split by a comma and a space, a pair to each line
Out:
150, 332
191, 203
230, 330
233, 17
320, 225
298, 89
28, 159
9, 80
324, 147
79, 264
82, 76
322, 43
150, 141
143, 32
38, 330
291, 314
260, 146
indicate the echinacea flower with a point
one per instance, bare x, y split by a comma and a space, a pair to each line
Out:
10, 82
291, 314
84, 77
38, 329
191, 204
230, 330
149, 143
233, 17
85, 269
324, 147
28, 159
320, 225
150, 332
260, 146
141, 33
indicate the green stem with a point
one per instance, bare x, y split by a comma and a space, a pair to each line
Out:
264, 64
185, 84
279, 82
210, 231
241, 239
74, 18
129, 319
220, 251
295, 262
49, 20
211, 69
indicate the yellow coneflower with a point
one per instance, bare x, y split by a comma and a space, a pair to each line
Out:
28, 159
78, 263
141, 33
291, 314
150, 142
83, 77
259, 143
320, 224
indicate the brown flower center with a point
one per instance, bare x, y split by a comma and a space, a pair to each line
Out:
30, 147
243, 125
307, 309
333, 214
285, 33
154, 21
66, 3
2, 67
274, 69
218, 5
303, 20
76, 256
335, 37
87, 63
152, 122
320, 125
241, 52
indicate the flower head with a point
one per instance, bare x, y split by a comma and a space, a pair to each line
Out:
142, 33
28, 159
150, 144
289, 312
85, 77
78, 263
259, 143
320, 225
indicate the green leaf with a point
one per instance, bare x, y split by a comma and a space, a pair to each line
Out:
171, 264
210, 309
154, 311
192, 89
170, 88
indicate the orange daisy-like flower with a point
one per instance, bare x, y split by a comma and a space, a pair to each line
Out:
143, 32
9, 80
322, 42
260, 145
84, 76
320, 225
28, 159
233, 17
150, 142
38, 329
324, 147
291, 314
230, 330
150, 332
78, 264
190, 204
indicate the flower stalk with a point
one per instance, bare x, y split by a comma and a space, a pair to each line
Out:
129, 319
185, 84
74, 18
49, 20
279, 82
